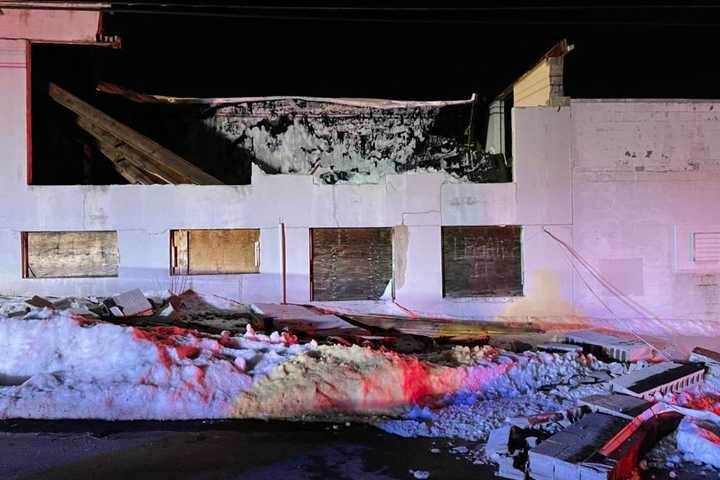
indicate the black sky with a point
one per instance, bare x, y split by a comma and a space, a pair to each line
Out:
619, 52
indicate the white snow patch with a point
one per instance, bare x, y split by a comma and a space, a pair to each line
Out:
78, 369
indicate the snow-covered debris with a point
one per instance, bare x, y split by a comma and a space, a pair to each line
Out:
79, 369
533, 383
699, 441
70, 367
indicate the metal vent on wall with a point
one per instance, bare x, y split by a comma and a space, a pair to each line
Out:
706, 247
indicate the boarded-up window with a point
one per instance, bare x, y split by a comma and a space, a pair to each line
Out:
482, 261
208, 252
350, 263
70, 254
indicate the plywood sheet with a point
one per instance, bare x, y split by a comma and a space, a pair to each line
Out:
71, 254
482, 261
351, 263
207, 252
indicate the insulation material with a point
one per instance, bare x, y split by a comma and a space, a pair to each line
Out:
71, 254
349, 143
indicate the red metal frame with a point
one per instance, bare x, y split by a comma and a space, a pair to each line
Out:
24, 254
28, 108
284, 262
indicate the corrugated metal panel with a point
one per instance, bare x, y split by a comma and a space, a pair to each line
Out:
350, 263
706, 247
482, 261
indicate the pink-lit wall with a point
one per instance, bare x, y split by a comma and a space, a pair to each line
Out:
620, 181
646, 175
56, 26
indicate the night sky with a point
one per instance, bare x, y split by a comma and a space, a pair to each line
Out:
640, 53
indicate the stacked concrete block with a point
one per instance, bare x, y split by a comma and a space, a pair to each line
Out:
617, 348
660, 378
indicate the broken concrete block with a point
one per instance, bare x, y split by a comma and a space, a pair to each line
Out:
623, 406
39, 302
507, 469
659, 378
572, 453
128, 304
617, 348
498, 442
710, 358
560, 347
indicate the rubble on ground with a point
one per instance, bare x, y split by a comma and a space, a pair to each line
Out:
548, 412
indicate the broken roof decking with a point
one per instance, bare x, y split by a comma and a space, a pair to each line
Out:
341, 140
137, 158
380, 103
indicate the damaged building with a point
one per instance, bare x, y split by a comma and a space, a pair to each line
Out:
562, 211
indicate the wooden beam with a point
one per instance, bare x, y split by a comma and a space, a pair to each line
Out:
116, 151
158, 154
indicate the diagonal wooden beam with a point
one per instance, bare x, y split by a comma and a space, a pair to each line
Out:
177, 167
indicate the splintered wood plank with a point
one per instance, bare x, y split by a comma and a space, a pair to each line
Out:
180, 169
351, 263
71, 254
207, 252
128, 162
482, 261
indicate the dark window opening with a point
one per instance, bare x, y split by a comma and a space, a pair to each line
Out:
482, 261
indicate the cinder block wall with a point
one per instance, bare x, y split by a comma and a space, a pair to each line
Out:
419, 204
647, 175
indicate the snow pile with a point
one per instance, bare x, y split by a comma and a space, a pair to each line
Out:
55, 365
67, 367
699, 441
530, 384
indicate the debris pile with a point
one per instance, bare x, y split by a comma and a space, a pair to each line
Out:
557, 412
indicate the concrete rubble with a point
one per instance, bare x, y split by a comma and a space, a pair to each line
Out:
623, 406
616, 348
603, 436
608, 434
659, 378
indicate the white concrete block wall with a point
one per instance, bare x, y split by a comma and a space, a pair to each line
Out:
643, 168
416, 204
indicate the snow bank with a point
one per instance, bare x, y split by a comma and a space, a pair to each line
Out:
65, 367
699, 441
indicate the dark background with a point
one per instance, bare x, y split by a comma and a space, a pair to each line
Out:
658, 50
